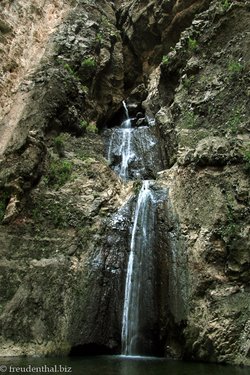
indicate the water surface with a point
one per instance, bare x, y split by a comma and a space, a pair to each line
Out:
115, 365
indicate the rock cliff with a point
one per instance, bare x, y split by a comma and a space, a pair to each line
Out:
66, 215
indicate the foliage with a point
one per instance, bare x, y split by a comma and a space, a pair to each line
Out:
234, 121
192, 44
165, 60
83, 124
85, 89
89, 127
59, 144
51, 212
225, 4
59, 173
69, 69
189, 120
99, 37
89, 62
231, 228
188, 81
234, 67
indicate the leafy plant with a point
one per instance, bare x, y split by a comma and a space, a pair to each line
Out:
83, 124
85, 89
234, 121
188, 81
59, 144
59, 173
234, 67
230, 228
189, 120
69, 69
225, 4
99, 37
165, 60
89, 127
192, 44
89, 62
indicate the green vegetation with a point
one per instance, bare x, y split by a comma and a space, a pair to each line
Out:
106, 22
51, 212
165, 60
99, 37
85, 89
234, 121
83, 124
192, 44
234, 67
230, 229
59, 143
189, 120
89, 62
225, 4
59, 173
69, 69
188, 81
89, 127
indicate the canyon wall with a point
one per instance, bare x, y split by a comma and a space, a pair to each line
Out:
65, 215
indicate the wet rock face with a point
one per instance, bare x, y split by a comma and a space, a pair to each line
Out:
102, 288
144, 157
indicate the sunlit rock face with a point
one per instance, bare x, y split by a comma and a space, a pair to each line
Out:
66, 216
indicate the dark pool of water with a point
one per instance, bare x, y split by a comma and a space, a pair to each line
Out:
113, 365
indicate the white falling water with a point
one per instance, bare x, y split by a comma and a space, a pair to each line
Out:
125, 152
125, 149
138, 245
126, 109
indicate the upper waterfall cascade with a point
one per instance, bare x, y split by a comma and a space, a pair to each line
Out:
132, 148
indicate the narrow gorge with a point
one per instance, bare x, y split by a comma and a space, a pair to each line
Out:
124, 179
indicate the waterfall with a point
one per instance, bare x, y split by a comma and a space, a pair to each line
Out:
125, 149
139, 271
126, 109
125, 152
133, 153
